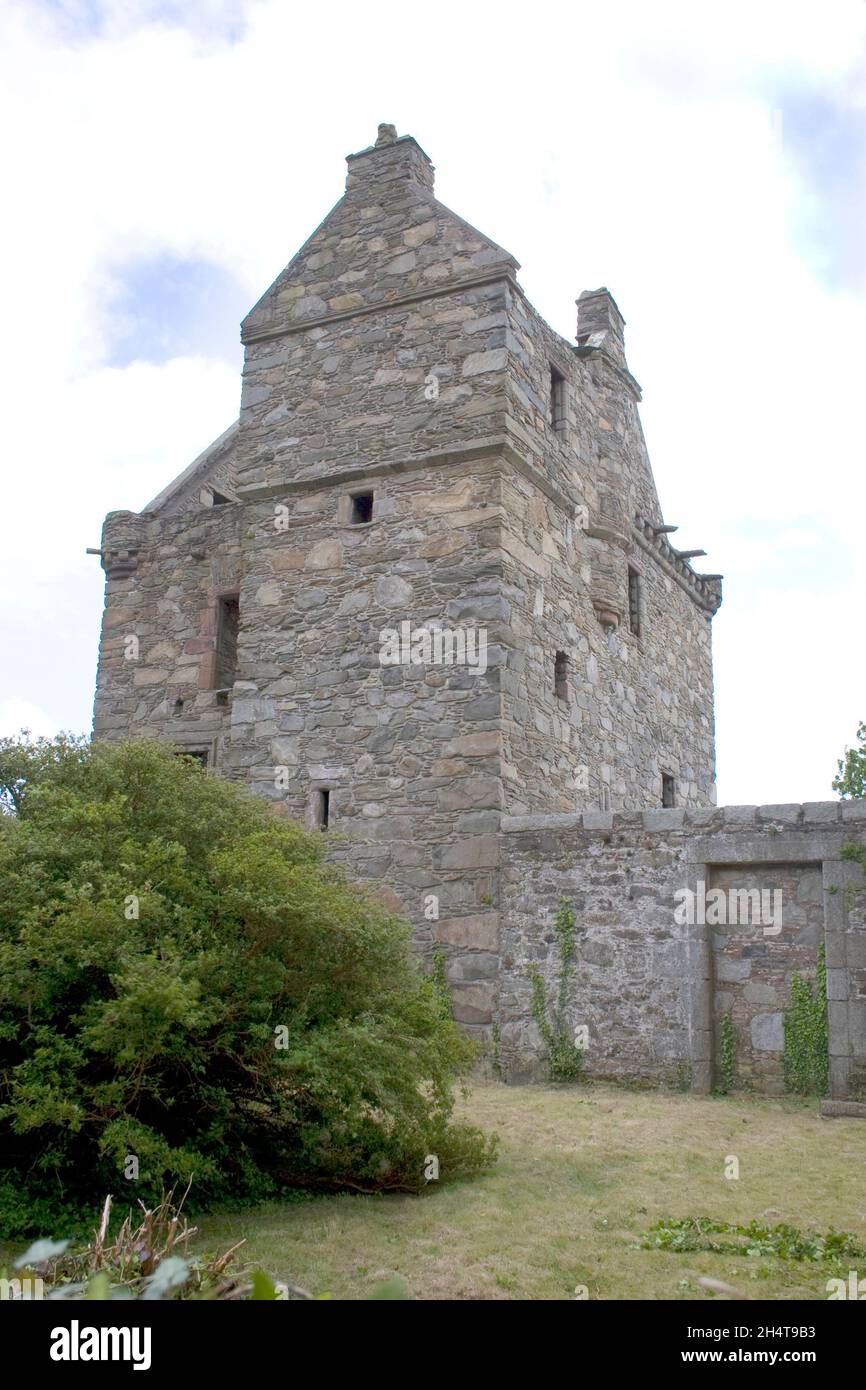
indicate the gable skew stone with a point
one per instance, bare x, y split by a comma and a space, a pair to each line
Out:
214, 466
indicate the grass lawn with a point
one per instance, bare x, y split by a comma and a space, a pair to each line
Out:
582, 1172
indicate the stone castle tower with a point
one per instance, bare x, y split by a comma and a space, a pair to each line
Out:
416, 449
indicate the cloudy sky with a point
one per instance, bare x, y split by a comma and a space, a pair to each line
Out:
707, 163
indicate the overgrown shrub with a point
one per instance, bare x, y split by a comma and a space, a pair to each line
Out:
187, 988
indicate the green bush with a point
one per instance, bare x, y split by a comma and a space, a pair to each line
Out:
185, 983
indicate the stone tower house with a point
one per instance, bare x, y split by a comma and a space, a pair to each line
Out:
416, 449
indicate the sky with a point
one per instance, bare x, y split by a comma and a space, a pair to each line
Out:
164, 161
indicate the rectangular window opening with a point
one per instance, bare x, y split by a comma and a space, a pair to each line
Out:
669, 790
199, 754
557, 400
228, 621
362, 509
323, 808
634, 601
561, 687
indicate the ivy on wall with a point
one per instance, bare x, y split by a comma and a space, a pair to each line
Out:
806, 1054
564, 1058
727, 1064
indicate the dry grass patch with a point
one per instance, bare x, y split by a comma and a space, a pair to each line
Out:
584, 1170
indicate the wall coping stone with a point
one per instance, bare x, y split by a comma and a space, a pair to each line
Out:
789, 813
822, 811
566, 821
758, 819
667, 818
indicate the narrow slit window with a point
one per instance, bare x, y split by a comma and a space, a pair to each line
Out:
560, 677
361, 512
634, 601
220, 499
228, 622
323, 808
669, 790
557, 400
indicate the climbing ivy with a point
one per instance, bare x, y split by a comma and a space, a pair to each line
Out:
496, 1052
564, 1057
439, 974
806, 1055
727, 1055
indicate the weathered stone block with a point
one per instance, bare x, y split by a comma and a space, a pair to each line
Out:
473, 1003
476, 852
478, 931
767, 1032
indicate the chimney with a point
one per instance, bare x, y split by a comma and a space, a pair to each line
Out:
391, 167
600, 324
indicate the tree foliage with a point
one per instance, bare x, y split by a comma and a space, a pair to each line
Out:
851, 779
185, 982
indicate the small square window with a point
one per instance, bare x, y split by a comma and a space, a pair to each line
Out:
669, 790
361, 511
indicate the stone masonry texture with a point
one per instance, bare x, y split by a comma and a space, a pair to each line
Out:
416, 446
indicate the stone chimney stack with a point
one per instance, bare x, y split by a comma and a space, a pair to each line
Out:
394, 165
600, 324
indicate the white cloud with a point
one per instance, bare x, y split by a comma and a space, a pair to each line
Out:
626, 144
17, 715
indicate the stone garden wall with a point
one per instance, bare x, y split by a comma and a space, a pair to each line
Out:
652, 989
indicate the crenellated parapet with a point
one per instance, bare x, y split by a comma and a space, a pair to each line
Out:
705, 589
